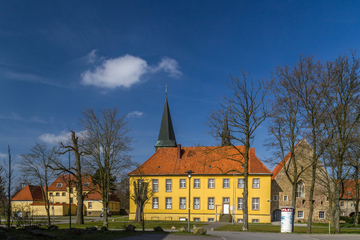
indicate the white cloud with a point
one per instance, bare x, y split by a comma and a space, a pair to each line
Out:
62, 137
2, 156
125, 71
91, 57
52, 138
16, 117
135, 114
28, 77
170, 66
119, 72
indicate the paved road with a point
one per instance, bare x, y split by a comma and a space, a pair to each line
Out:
221, 235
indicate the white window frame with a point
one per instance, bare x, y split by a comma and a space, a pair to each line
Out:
90, 205
255, 204
240, 183
211, 203
168, 183
59, 185
168, 203
155, 203
322, 213
256, 183
240, 204
226, 182
182, 183
196, 182
285, 198
182, 202
196, 203
275, 197
155, 185
211, 183
300, 214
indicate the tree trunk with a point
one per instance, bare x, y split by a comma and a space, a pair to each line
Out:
311, 197
138, 213
105, 214
293, 201
337, 205
245, 226
80, 200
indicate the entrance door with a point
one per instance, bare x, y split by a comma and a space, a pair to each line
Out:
226, 205
226, 208
276, 215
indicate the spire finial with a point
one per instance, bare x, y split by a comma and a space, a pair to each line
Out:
165, 90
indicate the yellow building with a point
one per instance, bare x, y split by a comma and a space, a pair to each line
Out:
216, 184
61, 192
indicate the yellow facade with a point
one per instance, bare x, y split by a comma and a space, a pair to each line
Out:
225, 192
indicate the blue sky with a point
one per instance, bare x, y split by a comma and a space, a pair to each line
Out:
59, 57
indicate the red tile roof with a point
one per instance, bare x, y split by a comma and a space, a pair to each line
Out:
29, 193
348, 188
64, 181
97, 196
201, 160
278, 167
55, 204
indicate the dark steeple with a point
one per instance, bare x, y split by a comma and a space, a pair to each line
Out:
166, 134
225, 135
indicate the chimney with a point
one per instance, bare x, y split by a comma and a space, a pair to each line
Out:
178, 151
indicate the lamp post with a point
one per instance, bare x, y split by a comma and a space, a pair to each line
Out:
189, 175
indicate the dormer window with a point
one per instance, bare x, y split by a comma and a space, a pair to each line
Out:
86, 184
58, 185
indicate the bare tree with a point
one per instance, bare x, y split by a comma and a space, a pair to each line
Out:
304, 99
35, 165
107, 143
342, 104
77, 148
245, 111
9, 176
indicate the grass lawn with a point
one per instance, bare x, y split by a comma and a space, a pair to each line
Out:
276, 229
122, 225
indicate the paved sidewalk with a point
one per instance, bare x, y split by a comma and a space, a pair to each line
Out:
151, 236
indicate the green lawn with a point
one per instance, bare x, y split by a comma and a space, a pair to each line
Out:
122, 225
276, 229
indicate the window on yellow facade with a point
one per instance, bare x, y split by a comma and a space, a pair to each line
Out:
168, 202
182, 183
64, 194
155, 203
211, 203
255, 204
240, 183
182, 203
256, 183
155, 185
51, 194
211, 183
196, 183
240, 203
196, 203
89, 205
57, 194
168, 185
226, 183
